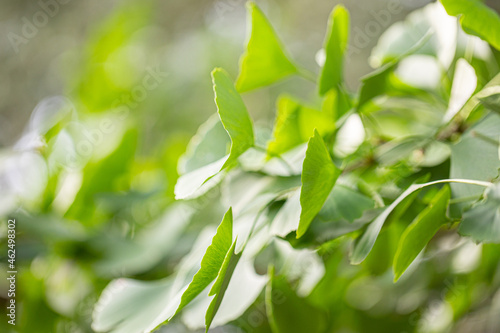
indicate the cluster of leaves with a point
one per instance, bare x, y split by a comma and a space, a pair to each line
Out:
318, 195
349, 215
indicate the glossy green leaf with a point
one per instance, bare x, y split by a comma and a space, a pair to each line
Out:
345, 203
294, 124
380, 259
376, 83
212, 260
205, 154
474, 158
476, 18
319, 174
482, 221
264, 61
233, 115
336, 103
382, 80
365, 243
220, 286
421, 231
345, 210
335, 45
138, 306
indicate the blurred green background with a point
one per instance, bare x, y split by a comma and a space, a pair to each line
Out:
187, 38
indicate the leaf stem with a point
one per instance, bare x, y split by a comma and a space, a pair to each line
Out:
365, 243
461, 181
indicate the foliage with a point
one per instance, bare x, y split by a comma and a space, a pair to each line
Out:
351, 214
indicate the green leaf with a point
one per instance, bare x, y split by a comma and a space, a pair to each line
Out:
136, 306
319, 174
206, 155
482, 221
264, 61
375, 83
128, 305
336, 103
490, 89
101, 177
492, 101
208, 145
212, 260
365, 243
401, 36
220, 286
421, 231
294, 124
335, 45
383, 80
233, 115
345, 210
345, 203
399, 149
380, 259
198, 182
152, 244
286, 131
473, 158
289, 313
476, 19
288, 217
327, 229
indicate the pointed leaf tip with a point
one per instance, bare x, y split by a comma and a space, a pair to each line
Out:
335, 46
319, 175
265, 61
420, 232
233, 115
